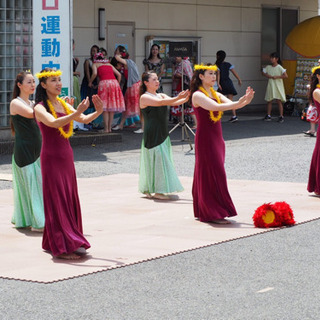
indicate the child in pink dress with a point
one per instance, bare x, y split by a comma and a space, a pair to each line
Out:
109, 89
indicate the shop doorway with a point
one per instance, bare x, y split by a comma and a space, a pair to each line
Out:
121, 34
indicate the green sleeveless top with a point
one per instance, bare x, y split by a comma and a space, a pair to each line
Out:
27, 143
155, 126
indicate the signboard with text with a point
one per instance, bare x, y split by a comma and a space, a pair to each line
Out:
180, 49
52, 41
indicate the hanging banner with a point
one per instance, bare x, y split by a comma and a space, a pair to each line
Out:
52, 39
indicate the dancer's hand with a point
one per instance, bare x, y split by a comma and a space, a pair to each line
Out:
83, 105
249, 95
68, 100
98, 104
184, 95
247, 98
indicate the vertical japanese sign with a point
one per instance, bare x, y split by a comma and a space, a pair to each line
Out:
52, 38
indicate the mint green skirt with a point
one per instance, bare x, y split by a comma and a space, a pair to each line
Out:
157, 172
27, 196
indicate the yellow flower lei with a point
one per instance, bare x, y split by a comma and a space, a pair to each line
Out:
318, 85
216, 97
68, 134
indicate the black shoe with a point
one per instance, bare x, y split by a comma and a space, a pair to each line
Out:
233, 119
281, 119
308, 133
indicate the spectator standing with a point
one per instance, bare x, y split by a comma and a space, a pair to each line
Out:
275, 88
155, 63
183, 67
131, 96
226, 86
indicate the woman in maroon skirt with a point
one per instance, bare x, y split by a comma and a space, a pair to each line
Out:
211, 199
63, 234
314, 96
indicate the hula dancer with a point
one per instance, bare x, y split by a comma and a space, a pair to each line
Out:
211, 199
63, 227
27, 182
157, 173
314, 96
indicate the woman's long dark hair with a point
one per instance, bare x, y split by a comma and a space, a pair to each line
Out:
195, 82
16, 91
19, 79
94, 46
276, 55
150, 55
221, 55
41, 93
313, 84
145, 77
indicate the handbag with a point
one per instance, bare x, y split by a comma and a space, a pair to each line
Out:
312, 114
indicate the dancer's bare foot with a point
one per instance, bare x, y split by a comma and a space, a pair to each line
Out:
68, 256
148, 195
221, 221
81, 251
161, 196
37, 230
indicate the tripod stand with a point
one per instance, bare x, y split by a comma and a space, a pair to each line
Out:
184, 126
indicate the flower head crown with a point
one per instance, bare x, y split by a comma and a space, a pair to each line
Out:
99, 58
47, 74
203, 67
313, 70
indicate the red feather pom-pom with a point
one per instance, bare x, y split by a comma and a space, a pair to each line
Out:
265, 217
284, 212
273, 215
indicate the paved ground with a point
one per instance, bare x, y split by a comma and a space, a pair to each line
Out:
267, 276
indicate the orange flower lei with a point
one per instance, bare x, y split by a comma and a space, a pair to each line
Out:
216, 97
68, 134
318, 85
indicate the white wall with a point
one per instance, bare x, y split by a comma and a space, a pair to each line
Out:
233, 26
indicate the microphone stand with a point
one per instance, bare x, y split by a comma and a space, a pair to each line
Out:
184, 126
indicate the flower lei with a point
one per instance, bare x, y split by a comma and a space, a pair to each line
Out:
68, 134
318, 85
215, 96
